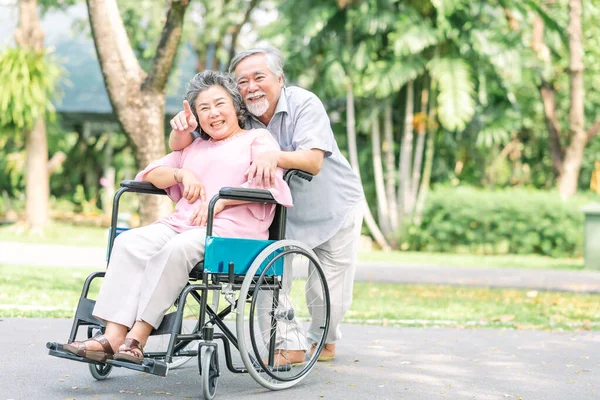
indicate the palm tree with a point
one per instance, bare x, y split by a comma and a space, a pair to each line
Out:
28, 83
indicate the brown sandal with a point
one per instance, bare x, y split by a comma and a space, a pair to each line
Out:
80, 349
133, 346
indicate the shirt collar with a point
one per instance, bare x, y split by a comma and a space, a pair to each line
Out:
282, 105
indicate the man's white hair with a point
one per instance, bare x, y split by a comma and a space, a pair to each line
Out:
275, 60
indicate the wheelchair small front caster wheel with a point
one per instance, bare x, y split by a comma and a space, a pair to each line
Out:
209, 371
100, 371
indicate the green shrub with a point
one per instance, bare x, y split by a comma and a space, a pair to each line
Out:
511, 221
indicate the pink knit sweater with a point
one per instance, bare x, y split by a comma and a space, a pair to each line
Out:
222, 164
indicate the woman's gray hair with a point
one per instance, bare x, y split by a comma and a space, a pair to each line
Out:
204, 80
275, 60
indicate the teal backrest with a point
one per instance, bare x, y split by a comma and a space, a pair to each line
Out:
241, 252
118, 231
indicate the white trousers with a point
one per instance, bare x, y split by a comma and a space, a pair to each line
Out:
149, 266
338, 257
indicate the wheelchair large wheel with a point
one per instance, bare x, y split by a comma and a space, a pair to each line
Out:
282, 311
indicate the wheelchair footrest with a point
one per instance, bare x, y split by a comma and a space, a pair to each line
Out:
56, 350
149, 365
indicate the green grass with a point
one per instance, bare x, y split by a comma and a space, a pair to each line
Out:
41, 291
57, 233
472, 260
54, 292
468, 306
65, 234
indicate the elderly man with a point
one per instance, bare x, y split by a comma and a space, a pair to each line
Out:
327, 213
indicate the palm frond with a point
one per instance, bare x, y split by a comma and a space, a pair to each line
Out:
29, 80
456, 106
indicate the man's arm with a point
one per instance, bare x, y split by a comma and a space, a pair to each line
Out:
264, 166
306, 160
179, 141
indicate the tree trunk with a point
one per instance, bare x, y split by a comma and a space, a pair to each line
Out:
352, 149
382, 205
567, 185
547, 95
406, 152
137, 97
37, 186
553, 127
418, 163
429, 153
390, 166
29, 35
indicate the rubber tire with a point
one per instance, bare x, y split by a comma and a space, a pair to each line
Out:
100, 371
209, 373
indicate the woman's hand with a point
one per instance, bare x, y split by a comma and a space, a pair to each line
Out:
200, 216
184, 122
193, 189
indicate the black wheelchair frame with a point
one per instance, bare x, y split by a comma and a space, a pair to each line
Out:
227, 284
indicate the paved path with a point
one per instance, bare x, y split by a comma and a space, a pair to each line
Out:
14, 253
374, 363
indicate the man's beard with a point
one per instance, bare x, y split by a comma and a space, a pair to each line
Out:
257, 108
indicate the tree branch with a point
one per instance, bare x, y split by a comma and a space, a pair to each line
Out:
167, 47
594, 130
556, 150
119, 65
238, 28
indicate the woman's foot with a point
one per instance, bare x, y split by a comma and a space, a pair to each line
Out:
287, 357
327, 354
131, 351
97, 349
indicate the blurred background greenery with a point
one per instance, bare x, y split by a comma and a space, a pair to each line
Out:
473, 123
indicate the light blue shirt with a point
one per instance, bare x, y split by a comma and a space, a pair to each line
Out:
320, 206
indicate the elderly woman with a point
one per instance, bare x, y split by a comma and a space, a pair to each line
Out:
149, 266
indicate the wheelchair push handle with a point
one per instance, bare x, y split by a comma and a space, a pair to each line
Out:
296, 172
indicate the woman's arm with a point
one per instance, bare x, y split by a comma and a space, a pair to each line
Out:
183, 124
200, 215
164, 177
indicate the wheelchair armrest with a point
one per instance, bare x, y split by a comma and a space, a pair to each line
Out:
141, 187
255, 195
296, 172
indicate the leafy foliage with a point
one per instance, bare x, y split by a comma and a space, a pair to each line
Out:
455, 92
29, 80
515, 221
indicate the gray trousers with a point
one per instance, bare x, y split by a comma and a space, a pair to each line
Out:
338, 257
149, 266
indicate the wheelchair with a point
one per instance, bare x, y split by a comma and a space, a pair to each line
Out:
265, 304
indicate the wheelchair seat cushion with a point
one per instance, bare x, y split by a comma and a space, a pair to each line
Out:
220, 252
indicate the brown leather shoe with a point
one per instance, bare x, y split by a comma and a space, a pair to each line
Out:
287, 357
327, 354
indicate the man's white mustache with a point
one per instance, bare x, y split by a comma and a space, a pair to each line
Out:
255, 95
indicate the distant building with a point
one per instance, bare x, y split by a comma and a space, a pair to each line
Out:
84, 103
